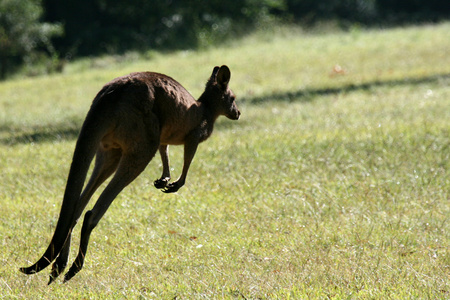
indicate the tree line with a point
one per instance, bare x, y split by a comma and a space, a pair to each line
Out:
33, 31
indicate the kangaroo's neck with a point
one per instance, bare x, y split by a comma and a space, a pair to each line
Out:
210, 116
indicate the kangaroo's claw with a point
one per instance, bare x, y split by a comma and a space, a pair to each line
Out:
56, 270
172, 187
55, 273
72, 272
51, 279
161, 183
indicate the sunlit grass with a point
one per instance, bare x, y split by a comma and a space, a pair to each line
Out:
332, 185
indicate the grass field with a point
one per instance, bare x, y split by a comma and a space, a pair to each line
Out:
333, 185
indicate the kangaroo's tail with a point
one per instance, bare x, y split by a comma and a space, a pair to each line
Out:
90, 136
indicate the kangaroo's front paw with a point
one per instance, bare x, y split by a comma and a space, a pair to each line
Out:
172, 187
161, 183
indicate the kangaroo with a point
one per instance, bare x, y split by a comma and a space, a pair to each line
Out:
130, 119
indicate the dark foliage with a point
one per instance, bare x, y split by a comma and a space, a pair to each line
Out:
23, 37
98, 26
111, 26
93, 27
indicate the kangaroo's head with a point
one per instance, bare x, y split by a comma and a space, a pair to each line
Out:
220, 96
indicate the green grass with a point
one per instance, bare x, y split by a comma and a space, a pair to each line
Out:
332, 185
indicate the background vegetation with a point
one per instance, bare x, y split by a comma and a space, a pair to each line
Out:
63, 30
334, 184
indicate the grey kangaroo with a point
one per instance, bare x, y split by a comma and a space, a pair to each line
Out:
130, 119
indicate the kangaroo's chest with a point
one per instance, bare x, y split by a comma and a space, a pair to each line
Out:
178, 133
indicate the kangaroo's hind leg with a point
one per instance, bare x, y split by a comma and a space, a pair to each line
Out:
106, 163
139, 145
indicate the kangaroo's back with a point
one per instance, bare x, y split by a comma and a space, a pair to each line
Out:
176, 109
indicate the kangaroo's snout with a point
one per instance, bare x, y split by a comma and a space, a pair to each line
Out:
238, 115
234, 114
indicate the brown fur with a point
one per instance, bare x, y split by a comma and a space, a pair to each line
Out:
130, 119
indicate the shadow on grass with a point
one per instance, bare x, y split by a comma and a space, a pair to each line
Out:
57, 132
37, 135
306, 95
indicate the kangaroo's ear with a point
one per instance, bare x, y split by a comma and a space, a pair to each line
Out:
214, 74
223, 76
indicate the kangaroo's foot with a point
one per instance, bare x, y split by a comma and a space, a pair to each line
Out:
74, 269
172, 187
61, 261
161, 183
56, 270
